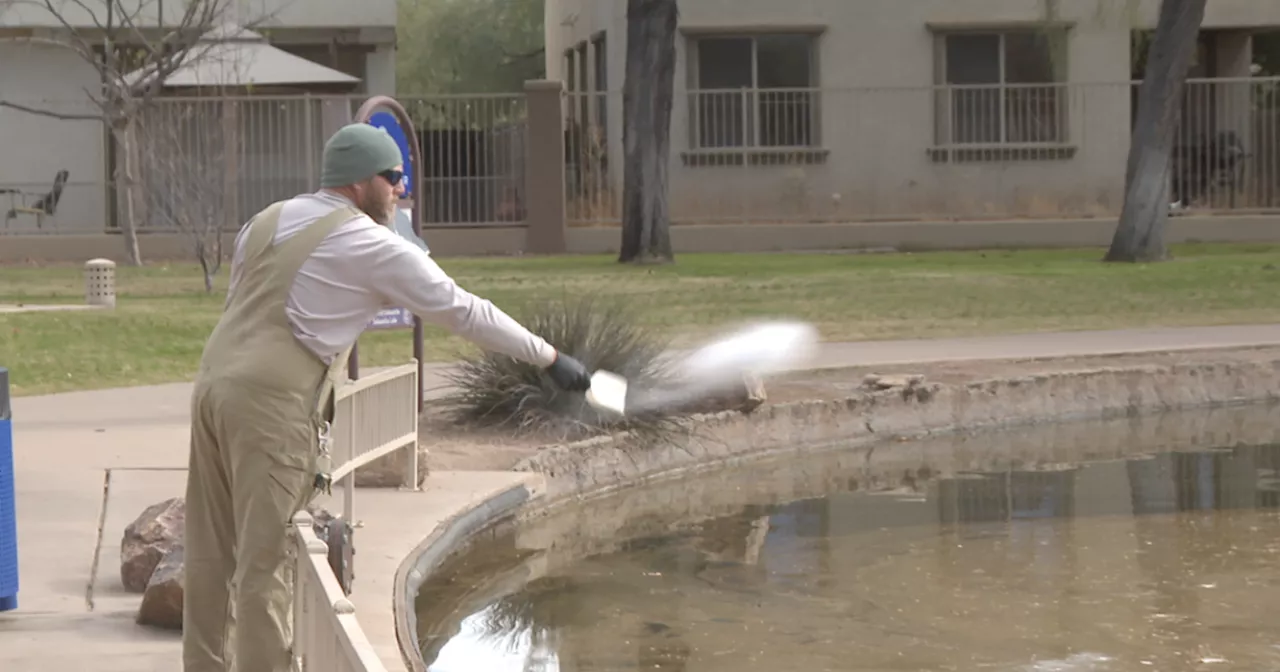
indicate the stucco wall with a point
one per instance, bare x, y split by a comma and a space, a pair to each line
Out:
33, 148
875, 63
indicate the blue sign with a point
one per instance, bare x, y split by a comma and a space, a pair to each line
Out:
387, 122
392, 318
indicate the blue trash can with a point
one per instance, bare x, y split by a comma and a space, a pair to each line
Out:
8, 514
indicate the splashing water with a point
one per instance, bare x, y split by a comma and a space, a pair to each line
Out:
760, 349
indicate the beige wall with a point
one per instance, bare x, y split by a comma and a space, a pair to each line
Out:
875, 63
33, 148
298, 13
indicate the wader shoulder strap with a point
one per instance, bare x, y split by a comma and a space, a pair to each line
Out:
262, 230
293, 252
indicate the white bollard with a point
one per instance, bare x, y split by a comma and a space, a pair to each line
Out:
100, 282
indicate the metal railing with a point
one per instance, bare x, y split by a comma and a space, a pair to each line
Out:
746, 155
374, 416
326, 635
474, 151
211, 161
929, 153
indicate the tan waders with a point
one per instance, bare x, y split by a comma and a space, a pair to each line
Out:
260, 402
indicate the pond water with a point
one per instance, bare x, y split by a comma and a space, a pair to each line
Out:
1158, 549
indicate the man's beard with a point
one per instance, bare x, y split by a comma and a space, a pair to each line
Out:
381, 212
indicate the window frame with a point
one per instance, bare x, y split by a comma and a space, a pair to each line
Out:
751, 113
944, 132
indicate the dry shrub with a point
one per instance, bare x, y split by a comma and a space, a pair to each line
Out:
496, 391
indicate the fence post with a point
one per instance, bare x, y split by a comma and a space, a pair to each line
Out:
545, 231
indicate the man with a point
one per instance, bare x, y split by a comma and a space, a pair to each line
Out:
307, 276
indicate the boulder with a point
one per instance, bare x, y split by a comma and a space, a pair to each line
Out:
148, 539
162, 600
163, 592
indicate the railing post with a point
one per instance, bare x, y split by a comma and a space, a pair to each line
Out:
411, 462
545, 230
305, 544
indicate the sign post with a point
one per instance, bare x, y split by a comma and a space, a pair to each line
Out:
388, 114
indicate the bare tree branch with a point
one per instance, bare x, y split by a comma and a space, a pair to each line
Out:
50, 113
186, 161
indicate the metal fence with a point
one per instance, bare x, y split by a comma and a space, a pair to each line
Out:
473, 148
268, 148
751, 155
929, 153
216, 161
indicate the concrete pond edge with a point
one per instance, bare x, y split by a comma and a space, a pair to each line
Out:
575, 472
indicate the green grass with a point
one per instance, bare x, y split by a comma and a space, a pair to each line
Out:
157, 331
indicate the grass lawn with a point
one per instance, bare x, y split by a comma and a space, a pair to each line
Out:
163, 315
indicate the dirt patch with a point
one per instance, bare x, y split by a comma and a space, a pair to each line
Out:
456, 448
839, 382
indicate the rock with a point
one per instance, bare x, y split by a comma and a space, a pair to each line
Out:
148, 539
875, 381
909, 386
162, 601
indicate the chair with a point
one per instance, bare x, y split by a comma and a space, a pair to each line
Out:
44, 206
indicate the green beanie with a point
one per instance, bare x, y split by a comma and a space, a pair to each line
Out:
357, 152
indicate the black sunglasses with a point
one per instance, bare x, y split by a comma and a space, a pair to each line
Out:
395, 177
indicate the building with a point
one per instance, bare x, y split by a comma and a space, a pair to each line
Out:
317, 45
836, 110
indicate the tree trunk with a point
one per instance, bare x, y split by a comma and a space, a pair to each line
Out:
127, 179
1140, 233
646, 129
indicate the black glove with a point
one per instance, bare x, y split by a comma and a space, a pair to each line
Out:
569, 374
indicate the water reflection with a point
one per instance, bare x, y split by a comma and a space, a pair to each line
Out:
1164, 561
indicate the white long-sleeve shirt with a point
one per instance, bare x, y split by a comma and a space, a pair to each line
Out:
363, 267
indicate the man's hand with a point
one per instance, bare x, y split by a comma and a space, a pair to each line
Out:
569, 374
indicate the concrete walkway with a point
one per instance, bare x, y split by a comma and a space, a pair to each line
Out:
140, 434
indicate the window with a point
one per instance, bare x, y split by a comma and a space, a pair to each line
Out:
601, 52
584, 83
570, 70
753, 91
1002, 87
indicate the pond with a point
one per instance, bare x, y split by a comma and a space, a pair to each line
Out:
1158, 548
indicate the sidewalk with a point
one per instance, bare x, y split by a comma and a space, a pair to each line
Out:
141, 434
